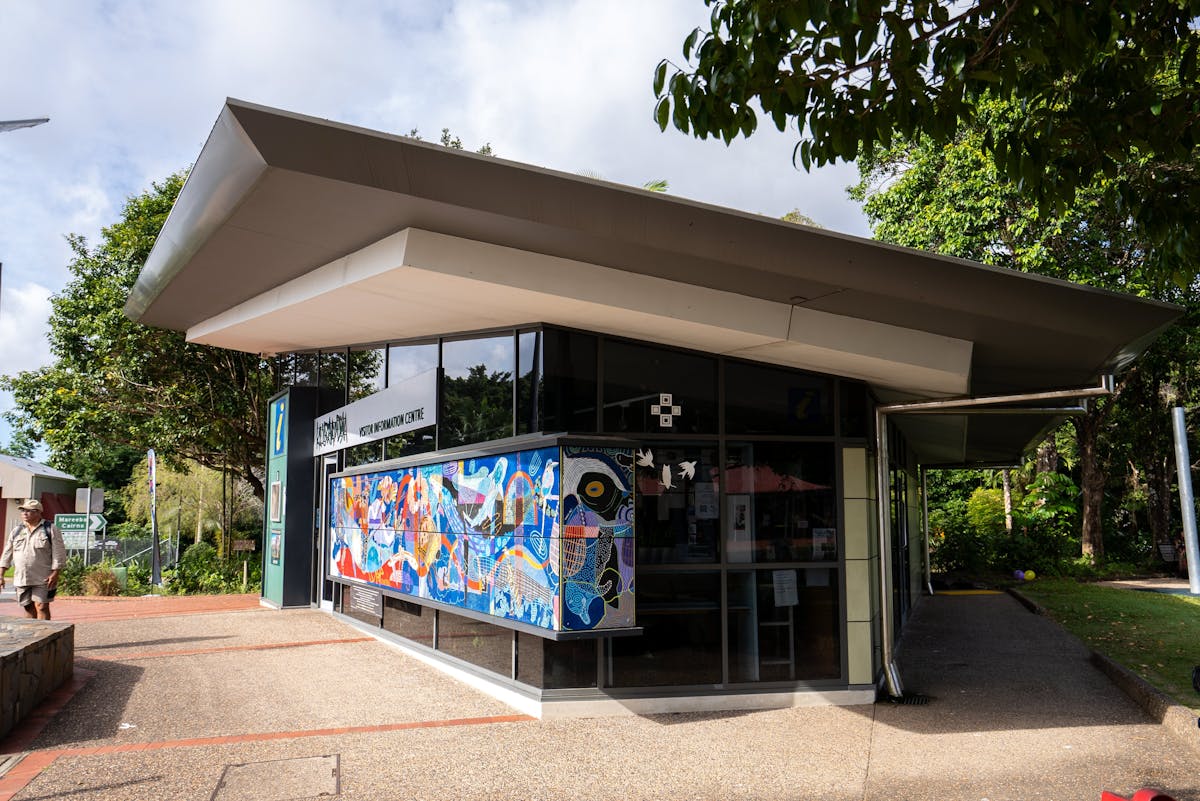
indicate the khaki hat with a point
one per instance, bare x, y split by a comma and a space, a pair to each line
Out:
30, 503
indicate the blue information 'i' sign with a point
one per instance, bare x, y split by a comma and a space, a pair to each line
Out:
279, 427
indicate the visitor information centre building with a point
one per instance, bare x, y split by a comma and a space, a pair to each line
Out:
598, 449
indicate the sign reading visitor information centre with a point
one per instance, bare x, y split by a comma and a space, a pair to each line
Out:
407, 406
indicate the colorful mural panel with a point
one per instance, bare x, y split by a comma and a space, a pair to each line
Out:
489, 534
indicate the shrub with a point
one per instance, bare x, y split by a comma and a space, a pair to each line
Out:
101, 580
70, 578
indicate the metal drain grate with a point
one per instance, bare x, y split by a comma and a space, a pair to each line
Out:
911, 699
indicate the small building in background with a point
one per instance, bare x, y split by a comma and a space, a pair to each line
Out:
22, 478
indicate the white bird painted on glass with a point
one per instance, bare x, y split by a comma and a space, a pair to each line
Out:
666, 476
645, 458
687, 469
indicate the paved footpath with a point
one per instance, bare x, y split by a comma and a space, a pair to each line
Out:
217, 699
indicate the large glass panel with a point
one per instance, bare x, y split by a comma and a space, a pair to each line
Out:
784, 625
768, 400
681, 615
553, 665
332, 365
529, 381
304, 370
854, 409
781, 502
366, 453
410, 442
409, 620
477, 393
655, 390
482, 644
366, 372
405, 361
678, 513
568, 401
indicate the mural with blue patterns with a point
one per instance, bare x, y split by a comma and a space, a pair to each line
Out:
542, 536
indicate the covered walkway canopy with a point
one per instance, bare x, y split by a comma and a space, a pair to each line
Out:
294, 233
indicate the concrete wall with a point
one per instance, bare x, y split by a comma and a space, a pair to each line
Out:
36, 658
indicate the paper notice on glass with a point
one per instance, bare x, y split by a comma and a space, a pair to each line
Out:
786, 593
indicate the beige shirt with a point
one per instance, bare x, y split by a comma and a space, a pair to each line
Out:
33, 554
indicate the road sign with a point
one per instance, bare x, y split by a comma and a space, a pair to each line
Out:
92, 522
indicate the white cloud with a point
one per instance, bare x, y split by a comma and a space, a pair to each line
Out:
24, 321
132, 88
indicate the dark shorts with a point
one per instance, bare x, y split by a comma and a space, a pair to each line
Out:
38, 593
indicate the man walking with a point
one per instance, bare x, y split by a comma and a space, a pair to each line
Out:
36, 552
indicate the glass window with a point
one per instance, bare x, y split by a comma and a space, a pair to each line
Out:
854, 409
366, 453
410, 442
409, 620
529, 381
568, 401
681, 614
366, 372
554, 665
768, 400
482, 644
405, 361
655, 390
784, 625
677, 512
304, 370
477, 393
781, 502
332, 367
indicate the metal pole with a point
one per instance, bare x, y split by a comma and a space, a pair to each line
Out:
925, 528
1187, 502
891, 674
87, 527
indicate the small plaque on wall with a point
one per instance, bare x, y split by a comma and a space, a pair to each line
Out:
368, 602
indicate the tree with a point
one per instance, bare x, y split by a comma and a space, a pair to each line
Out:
1104, 89
950, 198
117, 388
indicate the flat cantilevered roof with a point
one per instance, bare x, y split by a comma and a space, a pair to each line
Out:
296, 233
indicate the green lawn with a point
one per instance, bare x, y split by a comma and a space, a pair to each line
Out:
1156, 636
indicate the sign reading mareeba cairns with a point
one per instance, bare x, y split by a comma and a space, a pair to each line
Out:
407, 406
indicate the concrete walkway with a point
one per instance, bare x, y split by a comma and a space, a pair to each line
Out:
247, 703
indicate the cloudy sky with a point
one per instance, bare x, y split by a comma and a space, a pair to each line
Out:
132, 88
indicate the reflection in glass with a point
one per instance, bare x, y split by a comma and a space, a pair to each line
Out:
410, 443
855, 421
678, 512
482, 644
769, 400
477, 393
366, 372
784, 625
568, 400
529, 381
681, 614
554, 665
636, 378
406, 361
781, 501
366, 453
332, 367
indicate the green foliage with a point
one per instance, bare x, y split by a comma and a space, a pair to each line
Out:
1104, 91
116, 387
202, 570
985, 511
101, 580
70, 578
477, 406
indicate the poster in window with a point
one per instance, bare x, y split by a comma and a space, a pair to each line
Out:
740, 520
276, 502
276, 546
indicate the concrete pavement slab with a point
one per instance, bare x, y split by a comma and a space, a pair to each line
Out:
1016, 711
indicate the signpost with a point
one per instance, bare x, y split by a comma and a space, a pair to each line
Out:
76, 528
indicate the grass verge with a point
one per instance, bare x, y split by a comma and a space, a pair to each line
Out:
1155, 635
